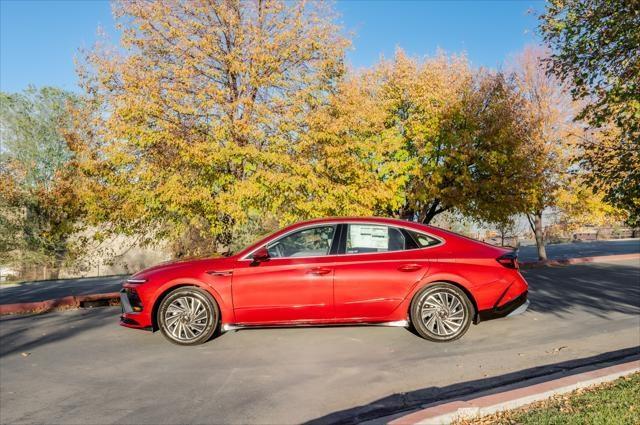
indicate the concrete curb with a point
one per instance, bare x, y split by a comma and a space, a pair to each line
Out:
47, 305
447, 412
579, 260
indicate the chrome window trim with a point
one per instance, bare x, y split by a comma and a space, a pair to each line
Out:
442, 241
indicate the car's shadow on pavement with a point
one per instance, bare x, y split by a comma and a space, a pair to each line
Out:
599, 289
29, 335
406, 402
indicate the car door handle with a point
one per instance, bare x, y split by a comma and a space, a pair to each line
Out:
409, 267
319, 271
220, 273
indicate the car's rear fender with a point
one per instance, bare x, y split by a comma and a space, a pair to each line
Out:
402, 311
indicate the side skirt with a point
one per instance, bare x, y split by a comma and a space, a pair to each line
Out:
235, 327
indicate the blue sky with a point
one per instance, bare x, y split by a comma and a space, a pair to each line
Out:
40, 38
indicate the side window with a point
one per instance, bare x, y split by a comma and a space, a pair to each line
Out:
363, 238
313, 242
421, 240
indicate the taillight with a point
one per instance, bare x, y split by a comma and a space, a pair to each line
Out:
509, 260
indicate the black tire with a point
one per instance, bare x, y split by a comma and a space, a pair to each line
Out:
188, 316
441, 312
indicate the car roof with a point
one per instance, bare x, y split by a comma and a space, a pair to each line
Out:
442, 234
420, 227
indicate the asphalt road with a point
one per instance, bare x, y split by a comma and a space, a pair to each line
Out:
52, 289
42, 290
581, 249
80, 367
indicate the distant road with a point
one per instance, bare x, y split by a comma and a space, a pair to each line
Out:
52, 289
582, 249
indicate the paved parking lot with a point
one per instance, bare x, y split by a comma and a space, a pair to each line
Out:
81, 367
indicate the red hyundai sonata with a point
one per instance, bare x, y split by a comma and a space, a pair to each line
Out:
332, 271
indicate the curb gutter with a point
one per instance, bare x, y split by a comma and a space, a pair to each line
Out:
65, 302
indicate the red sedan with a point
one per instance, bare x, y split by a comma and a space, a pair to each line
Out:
332, 272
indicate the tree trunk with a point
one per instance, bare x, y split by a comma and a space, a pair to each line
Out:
58, 259
429, 213
54, 273
535, 221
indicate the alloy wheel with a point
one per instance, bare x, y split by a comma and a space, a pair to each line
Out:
186, 318
442, 313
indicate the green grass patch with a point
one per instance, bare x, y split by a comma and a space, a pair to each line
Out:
613, 403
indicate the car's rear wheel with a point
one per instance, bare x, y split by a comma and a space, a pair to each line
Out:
188, 316
441, 312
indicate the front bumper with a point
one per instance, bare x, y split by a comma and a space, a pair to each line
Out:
514, 307
125, 303
133, 314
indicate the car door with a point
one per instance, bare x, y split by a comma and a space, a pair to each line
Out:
294, 285
376, 271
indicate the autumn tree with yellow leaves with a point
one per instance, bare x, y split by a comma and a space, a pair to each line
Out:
217, 118
555, 140
218, 115
551, 136
203, 122
444, 136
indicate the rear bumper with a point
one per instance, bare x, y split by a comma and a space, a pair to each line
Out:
514, 307
520, 309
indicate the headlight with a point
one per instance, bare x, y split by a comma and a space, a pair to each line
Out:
136, 280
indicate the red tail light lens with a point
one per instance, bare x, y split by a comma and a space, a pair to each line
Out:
509, 260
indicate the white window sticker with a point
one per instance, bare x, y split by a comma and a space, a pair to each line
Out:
366, 236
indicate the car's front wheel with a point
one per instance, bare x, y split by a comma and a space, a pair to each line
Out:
188, 316
441, 312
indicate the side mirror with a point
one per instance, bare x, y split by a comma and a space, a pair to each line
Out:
261, 255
